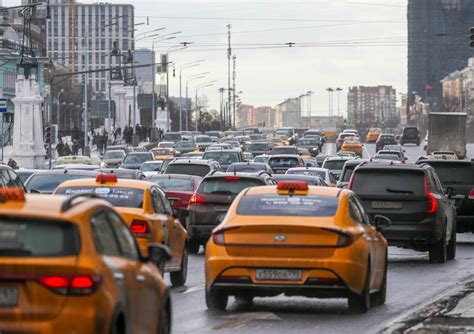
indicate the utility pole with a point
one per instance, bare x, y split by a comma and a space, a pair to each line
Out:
338, 90
234, 58
221, 91
86, 79
229, 55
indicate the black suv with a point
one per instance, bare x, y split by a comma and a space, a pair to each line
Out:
458, 175
411, 196
192, 167
411, 135
383, 140
209, 204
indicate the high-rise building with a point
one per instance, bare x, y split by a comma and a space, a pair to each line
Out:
289, 113
438, 43
372, 106
80, 32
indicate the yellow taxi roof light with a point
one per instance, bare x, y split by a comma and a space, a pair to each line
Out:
104, 178
12, 194
292, 186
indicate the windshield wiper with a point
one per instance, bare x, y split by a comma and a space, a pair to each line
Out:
399, 191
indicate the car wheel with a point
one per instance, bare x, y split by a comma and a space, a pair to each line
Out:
361, 303
438, 251
164, 327
452, 244
378, 298
118, 326
193, 246
178, 278
216, 301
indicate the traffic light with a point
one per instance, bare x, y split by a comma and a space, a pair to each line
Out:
471, 37
47, 135
345, 122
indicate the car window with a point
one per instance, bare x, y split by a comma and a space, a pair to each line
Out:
157, 203
6, 180
166, 203
104, 237
15, 179
355, 212
188, 169
388, 182
227, 186
126, 241
432, 185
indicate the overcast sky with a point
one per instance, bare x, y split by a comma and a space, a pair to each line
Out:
338, 43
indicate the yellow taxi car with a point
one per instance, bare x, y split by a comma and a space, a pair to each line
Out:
146, 210
373, 135
162, 153
353, 145
443, 155
298, 240
71, 265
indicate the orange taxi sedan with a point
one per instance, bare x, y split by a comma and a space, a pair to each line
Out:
162, 153
353, 145
297, 240
71, 265
146, 210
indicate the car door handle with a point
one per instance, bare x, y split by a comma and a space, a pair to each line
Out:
140, 278
118, 276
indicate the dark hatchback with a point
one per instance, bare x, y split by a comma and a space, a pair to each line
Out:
411, 135
209, 204
281, 163
258, 148
423, 217
135, 160
312, 144
458, 175
385, 139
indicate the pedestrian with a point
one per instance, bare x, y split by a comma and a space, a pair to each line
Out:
60, 147
66, 150
75, 147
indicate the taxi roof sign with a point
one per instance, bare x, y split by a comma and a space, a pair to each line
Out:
104, 178
292, 186
12, 195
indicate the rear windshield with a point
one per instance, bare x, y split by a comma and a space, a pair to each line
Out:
334, 164
172, 136
205, 139
113, 155
285, 150
185, 144
282, 205
188, 169
164, 151
221, 186
251, 168
174, 184
346, 135
283, 162
320, 173
387, 137
137, 158
261, 159
117, 196
451, 174
307, 142
47, 183
388, 183
257, 147
410, 132
37, 238
223, 158
154, 167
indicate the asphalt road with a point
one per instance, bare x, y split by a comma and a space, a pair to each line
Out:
412, 283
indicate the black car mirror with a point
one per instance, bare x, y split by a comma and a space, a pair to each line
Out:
381, 222
158, 254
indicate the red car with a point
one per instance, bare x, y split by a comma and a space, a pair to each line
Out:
178, 189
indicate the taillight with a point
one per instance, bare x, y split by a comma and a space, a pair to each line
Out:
140, 228
71, 285
232, 178
218, 235
471, 194
432, 202
344, 239
196, 200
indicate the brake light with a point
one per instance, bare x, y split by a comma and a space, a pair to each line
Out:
72, 285
471, 194
232, 178
218, 235
432, 202
196, 200
344, 239
140, 228
292, 186
12, 194
104, 178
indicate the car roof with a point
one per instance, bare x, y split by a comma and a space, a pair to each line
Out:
191, 162
113, 151
296, 177
443, 161
282, 147
139, 153
229, 150
390, 166
135, 184
316, 169
175, 176
65, 171
284, 156
322, 191
257, 175
249, 163
356, 161
338, 158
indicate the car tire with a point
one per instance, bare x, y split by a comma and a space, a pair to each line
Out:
360, 303
193, 246
438, 251
452, 244
118, 325
378, 298
216, 301
178, 278
164, 327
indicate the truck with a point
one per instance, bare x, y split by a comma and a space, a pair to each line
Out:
447, 132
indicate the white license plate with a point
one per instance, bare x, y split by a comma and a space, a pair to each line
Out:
221, 208
386, 205
278, 275
280, 171
8, 296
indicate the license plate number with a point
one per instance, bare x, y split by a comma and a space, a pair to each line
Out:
386, 205
8, 296
221, 208
278, 275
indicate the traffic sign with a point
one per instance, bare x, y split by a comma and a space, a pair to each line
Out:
3, 105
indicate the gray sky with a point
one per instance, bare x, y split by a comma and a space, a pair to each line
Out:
339, 43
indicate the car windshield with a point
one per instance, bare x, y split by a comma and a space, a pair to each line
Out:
257, 147
113, 155
49, 182
151, 167
22, 237
185, 145
203, 139
247, 168
223, 186
261, 159
454, 173
283, 162
174, 183
223, 158
291, 206
334, 164
136, 158
383, 182
117, 196
188, 169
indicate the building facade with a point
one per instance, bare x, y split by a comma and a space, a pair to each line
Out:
372, 106
438, 43
82, 36
288, 113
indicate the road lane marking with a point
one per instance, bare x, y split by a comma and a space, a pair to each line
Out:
194, 289
244, 320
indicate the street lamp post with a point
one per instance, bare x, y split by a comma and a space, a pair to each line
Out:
330, 91
191, 78
198, 113
338, 90
188, 65
58, 108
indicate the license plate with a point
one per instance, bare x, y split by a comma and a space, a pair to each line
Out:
221, 208
278, 275
281, 171
8, 296
386, 205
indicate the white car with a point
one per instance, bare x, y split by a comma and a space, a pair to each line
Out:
151, 168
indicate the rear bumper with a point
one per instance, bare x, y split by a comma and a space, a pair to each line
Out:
418, 236
200, 232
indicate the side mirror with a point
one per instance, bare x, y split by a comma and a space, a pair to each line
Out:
381, 222
158, 254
